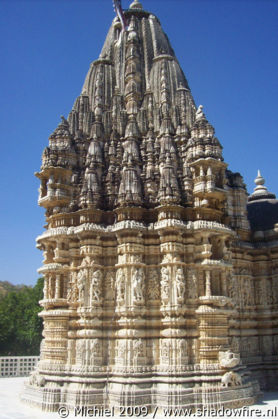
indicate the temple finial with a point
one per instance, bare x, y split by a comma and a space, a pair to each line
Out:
136, 5
259, 179
260, 191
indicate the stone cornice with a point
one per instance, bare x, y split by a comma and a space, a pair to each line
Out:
133, 225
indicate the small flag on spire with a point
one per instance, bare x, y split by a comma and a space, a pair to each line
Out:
120, 13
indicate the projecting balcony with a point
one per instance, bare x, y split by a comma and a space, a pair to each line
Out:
54, 198
61, 256
203, 188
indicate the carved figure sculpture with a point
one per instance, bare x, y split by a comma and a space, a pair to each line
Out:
228, 359
165, 285
81, 282
180, 285
37, 379
96, 291
120, 285
192, 284
95, 350
109, 286
138, 285
137, 348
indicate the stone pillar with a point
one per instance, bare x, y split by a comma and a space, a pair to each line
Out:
208, 284
58, 286
173, 348
130, 338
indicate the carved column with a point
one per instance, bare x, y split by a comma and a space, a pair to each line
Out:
173, 348
130, 301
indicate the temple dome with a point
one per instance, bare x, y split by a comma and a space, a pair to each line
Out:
262, 207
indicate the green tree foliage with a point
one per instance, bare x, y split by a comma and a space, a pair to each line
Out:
20, 326
6, 287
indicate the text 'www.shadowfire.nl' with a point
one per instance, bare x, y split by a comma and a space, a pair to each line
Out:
144, 411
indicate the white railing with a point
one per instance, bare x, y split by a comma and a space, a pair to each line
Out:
17, 366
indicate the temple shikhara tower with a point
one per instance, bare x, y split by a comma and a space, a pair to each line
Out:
161, 274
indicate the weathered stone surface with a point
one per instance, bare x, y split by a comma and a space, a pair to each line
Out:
157, 292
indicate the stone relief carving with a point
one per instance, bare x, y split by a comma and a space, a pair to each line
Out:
120, 286
153, 285
95, 350
170, 257
235, 344
37, 379
165, 347
110, 286
182, 350
228, 359
72, 291
192, 284
87, 262
165, 284
81, 284
138, 348
121, 351
247, 289
232, 287
81, 352
261, 292
96, 287
179, 285
138, 285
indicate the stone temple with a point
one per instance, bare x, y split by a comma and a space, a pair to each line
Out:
161, 274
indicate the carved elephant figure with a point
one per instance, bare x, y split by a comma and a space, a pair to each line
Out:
36, 379
231, 379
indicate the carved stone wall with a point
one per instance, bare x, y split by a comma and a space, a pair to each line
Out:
156, 290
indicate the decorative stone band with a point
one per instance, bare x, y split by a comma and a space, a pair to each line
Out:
133, 225
51, 267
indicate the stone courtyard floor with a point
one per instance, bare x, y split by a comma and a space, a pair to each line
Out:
12, 408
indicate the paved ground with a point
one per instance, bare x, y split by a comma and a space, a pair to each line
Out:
12, 408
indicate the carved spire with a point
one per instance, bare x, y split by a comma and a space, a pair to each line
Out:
168, 188
132, 73
98, 106
131, 120
62, 131
166, 124
203, 143
130, 191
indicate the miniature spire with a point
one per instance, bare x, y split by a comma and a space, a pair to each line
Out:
260, 191
199, 113
166, 123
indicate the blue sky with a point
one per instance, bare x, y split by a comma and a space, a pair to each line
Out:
227, 49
